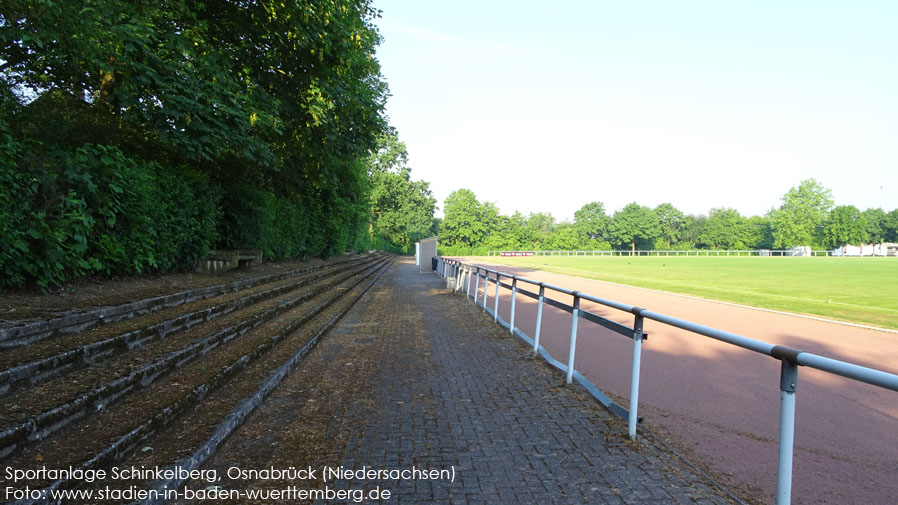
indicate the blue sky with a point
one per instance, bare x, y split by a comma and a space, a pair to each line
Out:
546, 106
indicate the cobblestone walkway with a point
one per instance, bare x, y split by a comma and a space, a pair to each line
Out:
454, 392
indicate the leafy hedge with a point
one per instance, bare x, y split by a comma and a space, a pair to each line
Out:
381, 244
69, 213
283, 227
462, 251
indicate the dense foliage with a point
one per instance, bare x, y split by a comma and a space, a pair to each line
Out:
137, 135
806, 217
401, 209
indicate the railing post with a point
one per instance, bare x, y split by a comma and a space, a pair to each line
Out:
496, 303
633, 417
514, 290
476, 285
539, 317
486, 288
574, 319
468, 285
788, 383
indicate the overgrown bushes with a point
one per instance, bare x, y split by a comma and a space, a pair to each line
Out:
289, 227
462, 251
69, 213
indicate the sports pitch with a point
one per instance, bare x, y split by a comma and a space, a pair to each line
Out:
858, 290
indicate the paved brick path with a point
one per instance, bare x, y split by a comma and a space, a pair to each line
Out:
453, 391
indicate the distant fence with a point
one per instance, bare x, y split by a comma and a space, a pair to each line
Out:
694, 252
471, 279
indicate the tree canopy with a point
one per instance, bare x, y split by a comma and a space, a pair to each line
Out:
799, 220
591, 221
724, 229
845, 226
263, 112
401, 209
634, 223
670, 222
466, 222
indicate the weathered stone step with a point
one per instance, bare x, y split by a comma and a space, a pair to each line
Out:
27, 332
49, 421
38, 371
125, 444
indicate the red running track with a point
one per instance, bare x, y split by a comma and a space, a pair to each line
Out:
722, 402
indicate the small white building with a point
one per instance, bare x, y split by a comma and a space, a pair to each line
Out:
885, 249
800, 250
425, 251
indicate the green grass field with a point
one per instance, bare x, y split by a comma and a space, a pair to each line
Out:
859, 290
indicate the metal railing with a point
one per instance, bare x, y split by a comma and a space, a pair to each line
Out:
790, 358
689, 252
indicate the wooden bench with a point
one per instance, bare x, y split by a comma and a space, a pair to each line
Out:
226, 260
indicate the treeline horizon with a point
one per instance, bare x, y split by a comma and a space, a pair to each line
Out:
806, 217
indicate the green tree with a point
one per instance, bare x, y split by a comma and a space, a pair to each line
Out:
401, 209
634, 223
890, 223
670, 221
875, 232
466, 221
799, 220
246, 83
389, 155
691, 229
539, 229
514, 232
491, 218
509, 233
845, 226
591, 222
758, 233
724, 229
565, 237
499, 237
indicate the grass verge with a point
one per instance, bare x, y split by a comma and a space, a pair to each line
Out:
858, 290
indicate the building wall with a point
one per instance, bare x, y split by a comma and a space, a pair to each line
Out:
428, 249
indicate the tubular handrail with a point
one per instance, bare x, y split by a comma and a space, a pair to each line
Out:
841, 368
790, 358
783, 253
